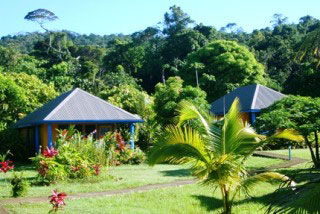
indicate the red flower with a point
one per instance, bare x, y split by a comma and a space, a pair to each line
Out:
43, 168
49, 153
57, 199
64, 132
75, 168
97, 169
6, 166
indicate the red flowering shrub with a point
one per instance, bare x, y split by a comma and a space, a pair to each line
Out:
57, 200
49, 153
97, 169
6, 166
120, 153
121, 145
74, 158
43, 168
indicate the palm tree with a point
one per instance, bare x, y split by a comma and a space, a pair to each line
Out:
302, 199
216, 152
310, 46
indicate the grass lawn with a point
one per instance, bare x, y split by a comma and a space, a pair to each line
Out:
189, 199
120, 177
193, 198
298, 153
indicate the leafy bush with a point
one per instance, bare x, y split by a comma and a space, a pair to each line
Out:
120, 153
10, 139
20, 185
75, 157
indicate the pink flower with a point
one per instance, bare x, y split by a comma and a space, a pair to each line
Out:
57, 199
6, 166
49, 153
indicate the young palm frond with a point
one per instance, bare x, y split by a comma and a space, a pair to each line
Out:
180, 145
188, 112
248, 183
302, 199
310, 44
215, 153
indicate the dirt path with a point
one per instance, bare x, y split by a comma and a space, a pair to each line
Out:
106, 193
178, 183
287, 164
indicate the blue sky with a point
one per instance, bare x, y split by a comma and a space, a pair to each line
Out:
128, 16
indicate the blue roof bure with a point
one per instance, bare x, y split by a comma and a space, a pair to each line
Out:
251, 97
77, 106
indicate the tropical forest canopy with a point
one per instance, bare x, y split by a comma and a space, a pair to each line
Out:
149, 72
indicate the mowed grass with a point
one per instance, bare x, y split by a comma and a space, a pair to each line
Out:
121, 177
194, 198
189, 199
298, 153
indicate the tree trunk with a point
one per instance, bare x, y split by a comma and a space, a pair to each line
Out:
317, 146
197, 78
311, 151
163, 78
226, 203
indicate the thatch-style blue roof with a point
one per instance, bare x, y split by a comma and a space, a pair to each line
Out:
77, 106
252, 98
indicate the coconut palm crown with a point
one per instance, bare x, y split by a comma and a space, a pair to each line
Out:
215, 151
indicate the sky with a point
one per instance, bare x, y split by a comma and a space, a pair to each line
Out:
105, 17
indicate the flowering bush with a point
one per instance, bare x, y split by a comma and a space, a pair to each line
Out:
49, 169
75, 157
49, 153
57, 200
6, 166
118, 153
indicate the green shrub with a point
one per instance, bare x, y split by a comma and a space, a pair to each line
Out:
75, 157
19, 185
120, 153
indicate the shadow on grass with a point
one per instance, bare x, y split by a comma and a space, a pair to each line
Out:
214, 204
176, 173
301, 175
210, 203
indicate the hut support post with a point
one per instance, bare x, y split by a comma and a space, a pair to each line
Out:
36, 136
253, 117
49, 136
132, 135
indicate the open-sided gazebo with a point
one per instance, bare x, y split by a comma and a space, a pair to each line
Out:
87, 112
252, 99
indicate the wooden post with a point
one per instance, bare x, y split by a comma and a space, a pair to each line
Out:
132, 135
49, 136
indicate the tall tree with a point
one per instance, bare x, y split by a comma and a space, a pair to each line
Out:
222, 67
168, 96
41, 16
176, 21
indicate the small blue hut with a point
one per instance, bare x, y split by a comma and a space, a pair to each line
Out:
76, 107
